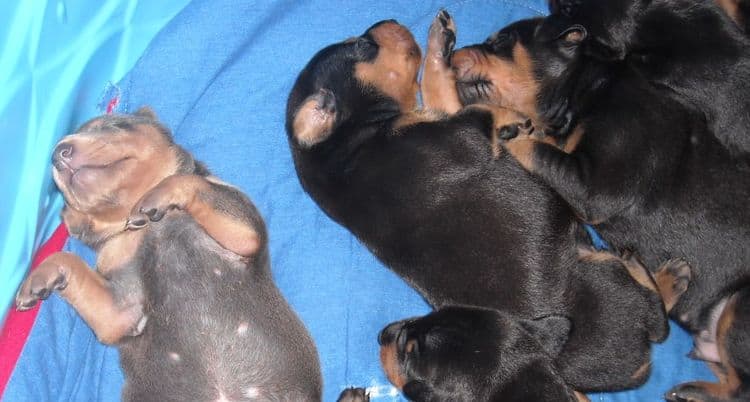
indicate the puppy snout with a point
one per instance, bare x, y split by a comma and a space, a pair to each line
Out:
63, 154
388, 334
390, 32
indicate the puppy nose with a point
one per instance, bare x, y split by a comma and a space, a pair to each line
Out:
388, 334
63, 152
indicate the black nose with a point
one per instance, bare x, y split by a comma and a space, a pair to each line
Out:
62, 152
389, 333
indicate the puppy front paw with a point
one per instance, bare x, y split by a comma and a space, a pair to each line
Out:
441, 39
173, 193
512, 130
687, 392
45, 279
354, 395
672, 278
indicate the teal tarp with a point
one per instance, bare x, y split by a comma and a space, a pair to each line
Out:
54, 58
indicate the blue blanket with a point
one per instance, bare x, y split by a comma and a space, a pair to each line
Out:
219, 75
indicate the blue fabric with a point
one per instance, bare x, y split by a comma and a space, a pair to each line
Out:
219, 75
55, 58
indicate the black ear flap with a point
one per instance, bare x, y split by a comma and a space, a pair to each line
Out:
552, 332
315, 118
147, 113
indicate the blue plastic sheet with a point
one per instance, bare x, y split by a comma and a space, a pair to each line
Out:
56, 57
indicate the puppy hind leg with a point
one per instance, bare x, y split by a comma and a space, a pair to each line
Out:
734, 353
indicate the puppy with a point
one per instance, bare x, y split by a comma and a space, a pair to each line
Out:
423, 192
184, 288
461, 353
689, 47
634, 161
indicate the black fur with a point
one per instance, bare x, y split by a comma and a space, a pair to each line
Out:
688, 47
462, 227
648, 171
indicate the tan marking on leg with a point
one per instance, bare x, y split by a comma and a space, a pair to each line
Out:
591, 255
438, 79
193, 194
732, 8
416, 117
639, 273
91, 296
671, 287
522, 148
719, 371
642, 371
732, 380
580, 397
571, 143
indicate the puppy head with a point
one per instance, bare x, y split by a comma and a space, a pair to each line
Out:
475, 354
523, 65
611, 24
362, 79
105, 167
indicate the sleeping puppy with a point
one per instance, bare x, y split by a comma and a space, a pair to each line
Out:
689, 47
462, 353
184, 288
640, 165
424, 193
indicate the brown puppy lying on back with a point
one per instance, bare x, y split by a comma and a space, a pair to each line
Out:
189, 300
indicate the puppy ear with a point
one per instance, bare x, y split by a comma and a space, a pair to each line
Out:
315, 119
574, 34
146, 112
552, 332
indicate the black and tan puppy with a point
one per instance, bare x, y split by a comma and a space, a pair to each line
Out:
424, 193
639, 164
689, 47
462, 353
188, 300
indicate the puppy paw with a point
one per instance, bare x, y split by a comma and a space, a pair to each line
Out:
441, 38
688, 392
354, 395
45, 279
672, 278
173, 193
515, 129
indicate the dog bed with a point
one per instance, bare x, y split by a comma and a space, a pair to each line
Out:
218, 75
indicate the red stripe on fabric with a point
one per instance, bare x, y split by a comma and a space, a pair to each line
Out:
18, 324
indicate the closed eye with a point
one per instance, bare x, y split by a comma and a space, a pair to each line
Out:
475, 89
